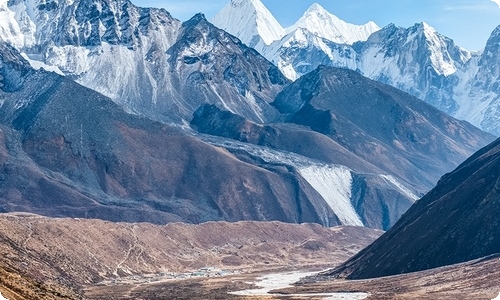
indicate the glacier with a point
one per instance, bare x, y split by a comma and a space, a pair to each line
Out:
334, 185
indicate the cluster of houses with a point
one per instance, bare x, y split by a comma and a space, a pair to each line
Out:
162, 276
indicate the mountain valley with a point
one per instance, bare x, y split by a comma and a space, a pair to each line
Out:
142, 157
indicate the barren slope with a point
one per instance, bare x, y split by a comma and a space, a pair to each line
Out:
84, 252
17, 286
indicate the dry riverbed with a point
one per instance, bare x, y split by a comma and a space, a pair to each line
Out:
242, 284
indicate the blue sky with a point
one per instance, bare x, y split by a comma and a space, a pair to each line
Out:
468, 22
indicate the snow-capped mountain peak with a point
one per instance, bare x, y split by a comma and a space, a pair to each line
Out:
443, 60
250, 21
326, 25
316, 7
426, 26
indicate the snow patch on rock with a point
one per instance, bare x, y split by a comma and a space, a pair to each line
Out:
334, 185
38, 64
401, 187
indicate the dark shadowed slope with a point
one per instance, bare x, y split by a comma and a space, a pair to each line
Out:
457, 221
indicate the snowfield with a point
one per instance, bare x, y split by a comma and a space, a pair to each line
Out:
334, 185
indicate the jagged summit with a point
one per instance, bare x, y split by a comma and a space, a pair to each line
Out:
250, 21
255, 25
316, 7
326, 25
444, 61
426, 26
197, 18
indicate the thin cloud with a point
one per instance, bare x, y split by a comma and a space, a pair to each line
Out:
498, 3
470, 7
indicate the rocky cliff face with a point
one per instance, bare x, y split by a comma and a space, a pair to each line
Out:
215, 67
418, 60
484, 109
143, 58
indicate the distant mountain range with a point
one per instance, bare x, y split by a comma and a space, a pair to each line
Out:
417, 60
255, 25
214, 131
